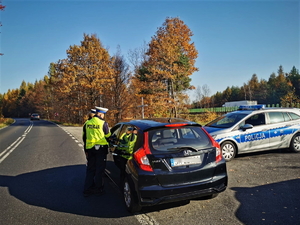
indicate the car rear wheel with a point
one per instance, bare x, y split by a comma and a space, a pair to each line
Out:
295, 143
130, 196
228, 150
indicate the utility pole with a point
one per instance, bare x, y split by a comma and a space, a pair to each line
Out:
142, 107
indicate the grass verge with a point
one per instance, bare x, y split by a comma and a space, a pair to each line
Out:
4, 122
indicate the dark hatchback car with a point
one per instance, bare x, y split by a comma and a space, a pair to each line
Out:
169, 160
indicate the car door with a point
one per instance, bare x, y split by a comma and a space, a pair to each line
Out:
281, 129
256, 138
111, 167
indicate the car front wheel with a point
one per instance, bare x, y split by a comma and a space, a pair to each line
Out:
295, 143
228, 150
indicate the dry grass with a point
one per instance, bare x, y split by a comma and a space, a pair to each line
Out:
5, 122
202, 118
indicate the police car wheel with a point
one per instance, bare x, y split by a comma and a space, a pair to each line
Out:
130, 196
228, 150
295, 143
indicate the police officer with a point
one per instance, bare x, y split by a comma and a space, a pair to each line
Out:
124, 152
90, 116
95, 132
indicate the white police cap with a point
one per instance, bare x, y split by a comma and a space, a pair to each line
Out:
93, 110
101, 109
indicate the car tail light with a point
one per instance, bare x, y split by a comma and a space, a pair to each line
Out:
141, 155
215, 144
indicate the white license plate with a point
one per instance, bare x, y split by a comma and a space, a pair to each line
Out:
184, 161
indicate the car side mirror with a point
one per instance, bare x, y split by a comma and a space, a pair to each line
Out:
246, 126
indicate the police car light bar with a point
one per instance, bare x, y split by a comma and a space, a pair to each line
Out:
252, 107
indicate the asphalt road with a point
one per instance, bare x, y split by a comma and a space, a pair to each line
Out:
41, 183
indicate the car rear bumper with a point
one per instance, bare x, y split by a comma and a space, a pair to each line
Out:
156, 194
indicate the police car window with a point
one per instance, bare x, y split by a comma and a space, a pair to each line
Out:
286, 116
276, 117
227, 120
257, 119
294, 116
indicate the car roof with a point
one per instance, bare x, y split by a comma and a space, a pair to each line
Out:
268, 109
150, 123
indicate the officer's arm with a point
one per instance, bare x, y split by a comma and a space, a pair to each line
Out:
106, 130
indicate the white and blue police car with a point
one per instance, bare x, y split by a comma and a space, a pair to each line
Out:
256, 128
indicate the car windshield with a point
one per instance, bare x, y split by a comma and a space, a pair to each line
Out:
227, 120
178, 138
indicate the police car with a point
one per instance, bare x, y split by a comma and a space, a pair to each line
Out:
256, 128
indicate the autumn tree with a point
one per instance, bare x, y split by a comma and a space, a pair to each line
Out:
278, 86
164, 75
81, 81
294, 78
123, 96
289, 100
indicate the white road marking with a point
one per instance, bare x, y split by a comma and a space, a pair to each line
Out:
15, 144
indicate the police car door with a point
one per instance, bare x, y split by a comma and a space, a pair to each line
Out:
257, 137
281, 128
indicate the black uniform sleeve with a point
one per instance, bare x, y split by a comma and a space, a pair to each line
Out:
105, 128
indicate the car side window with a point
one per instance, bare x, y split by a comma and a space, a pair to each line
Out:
114, 134
257, 119
294, 116
286, 116
276, 117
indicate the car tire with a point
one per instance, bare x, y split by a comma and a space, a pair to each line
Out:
295, 143
130, 196
228, 150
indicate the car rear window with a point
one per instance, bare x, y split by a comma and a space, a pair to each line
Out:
294, 116
167, 139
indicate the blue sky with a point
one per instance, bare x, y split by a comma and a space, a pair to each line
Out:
235, 39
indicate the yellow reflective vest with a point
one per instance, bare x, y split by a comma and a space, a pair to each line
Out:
128, 141
94, 133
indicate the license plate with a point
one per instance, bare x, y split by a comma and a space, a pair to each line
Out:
184, 161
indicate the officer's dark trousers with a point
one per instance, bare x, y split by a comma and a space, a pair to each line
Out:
96, 163
121, 164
